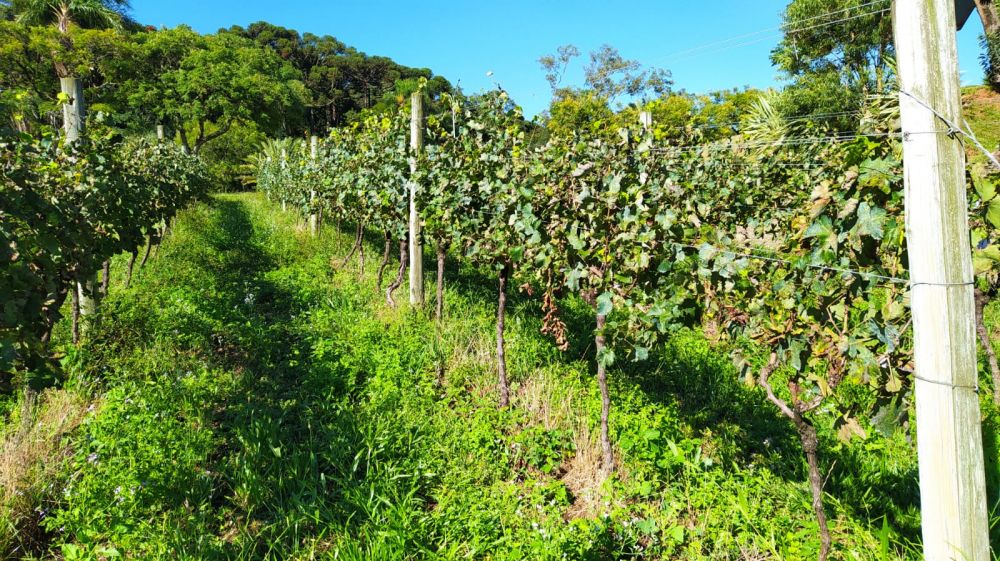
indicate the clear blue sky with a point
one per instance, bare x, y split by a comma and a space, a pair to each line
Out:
464, 40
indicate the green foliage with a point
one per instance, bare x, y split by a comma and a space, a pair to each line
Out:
341, 82
224, 155
67, 209
990, 59
835, 53
260, 410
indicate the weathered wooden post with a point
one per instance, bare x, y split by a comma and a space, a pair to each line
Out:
949, 435
646, 119
416, 246
284, 166
74, 125
313, 216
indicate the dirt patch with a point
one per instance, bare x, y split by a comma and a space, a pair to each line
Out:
981, 95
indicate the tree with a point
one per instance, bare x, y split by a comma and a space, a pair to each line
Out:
340, 81
228, 82
63, 14
834, 53
27, 83
555, 66
613, 76
991, 59
609, 78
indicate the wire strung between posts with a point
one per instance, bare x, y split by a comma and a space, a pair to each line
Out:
764, 34
863, 274
839, 137
953, 129
975, 389
791, 119
944, 284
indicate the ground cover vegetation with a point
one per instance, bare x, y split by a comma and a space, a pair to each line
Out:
681, 336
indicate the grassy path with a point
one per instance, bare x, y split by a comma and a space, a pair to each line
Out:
255, 405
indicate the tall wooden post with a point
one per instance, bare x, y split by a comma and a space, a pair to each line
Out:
74, 124
74, 110
416, 247
313, 216
949, 435
646, 119
284, 166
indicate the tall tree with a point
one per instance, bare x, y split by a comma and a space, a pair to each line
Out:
224, 81
63, 14
834, 53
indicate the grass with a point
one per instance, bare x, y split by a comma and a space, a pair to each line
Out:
250, 403
981, 107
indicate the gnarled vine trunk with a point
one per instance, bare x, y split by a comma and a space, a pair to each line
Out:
398, 281
982, 299
501, 356
810, 446
608, 457
384, 263
149, 248
131, 266
358, 234
361, 254
442, 250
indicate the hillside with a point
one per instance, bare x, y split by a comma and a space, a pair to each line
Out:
982, 111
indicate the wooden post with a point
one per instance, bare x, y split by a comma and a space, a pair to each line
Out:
646, 119
313, 216
416, 247
284, 166
74, 124
160, 133
74, 110
949, 435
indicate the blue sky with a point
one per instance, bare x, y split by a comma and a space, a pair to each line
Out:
464, 40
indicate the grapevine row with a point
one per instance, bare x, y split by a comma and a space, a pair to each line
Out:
795, 247
65, 210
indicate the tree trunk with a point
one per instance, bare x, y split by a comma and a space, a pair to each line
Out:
399, 276
384, 263
441, 254
982, 299
501, 355
105, 277
131, 266
810, 445
608, 458
990, 16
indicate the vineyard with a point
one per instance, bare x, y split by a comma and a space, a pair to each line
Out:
268, 297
